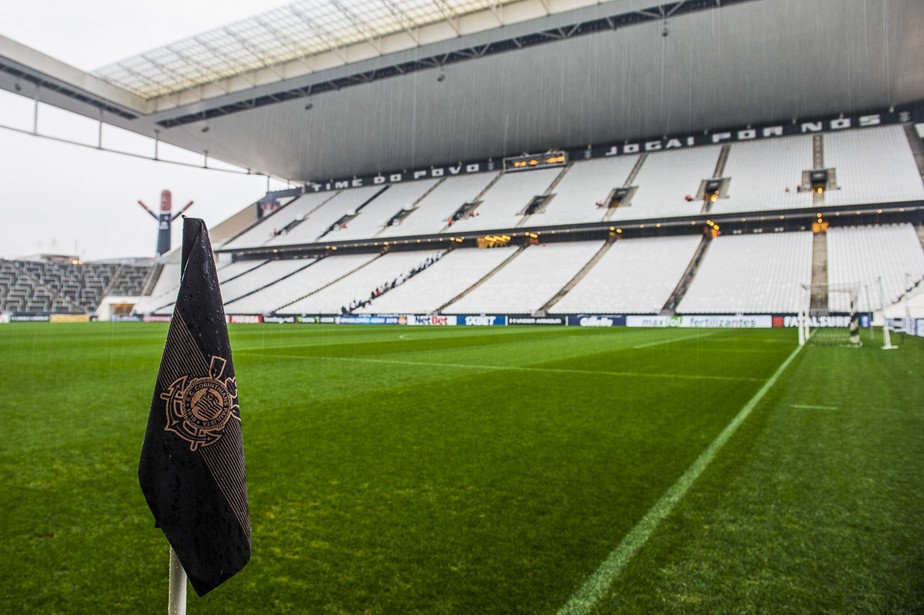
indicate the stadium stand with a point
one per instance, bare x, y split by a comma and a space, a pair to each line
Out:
527, 281
301, 284
164, 291
357, 284
150, 279
332, 214
230, 271
869, 165
503, 204
282, 291
873, 165
46, 286
455, 273
755, 273
858, 256
634, 276
436, 208
376, 215
739, 273
279, 221
765, 175
258, 277
664, 181
586, 184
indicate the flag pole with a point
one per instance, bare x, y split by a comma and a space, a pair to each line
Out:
176, 604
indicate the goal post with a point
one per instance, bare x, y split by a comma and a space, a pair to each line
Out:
832, 313
886, 336
831, 316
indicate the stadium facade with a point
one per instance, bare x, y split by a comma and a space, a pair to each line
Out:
560, 161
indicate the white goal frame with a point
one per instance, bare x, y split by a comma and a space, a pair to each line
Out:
853, 291
806, 313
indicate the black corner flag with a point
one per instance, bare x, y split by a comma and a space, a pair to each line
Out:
192, 458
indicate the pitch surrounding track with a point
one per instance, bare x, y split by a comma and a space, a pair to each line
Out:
481, 470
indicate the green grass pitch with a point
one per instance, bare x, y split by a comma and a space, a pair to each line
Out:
480, 470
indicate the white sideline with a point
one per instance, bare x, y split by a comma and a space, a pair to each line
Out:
584, 599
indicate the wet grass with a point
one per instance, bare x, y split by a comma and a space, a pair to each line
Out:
477, 470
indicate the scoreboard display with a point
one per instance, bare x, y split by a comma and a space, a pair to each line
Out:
539, 161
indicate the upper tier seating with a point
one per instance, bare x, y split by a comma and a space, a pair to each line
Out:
434, 211
269, 227
859, 255
503, 204
319, 222
634, 276
757, 273
762, 171
665, 179
374, 217
584, 185
873, 165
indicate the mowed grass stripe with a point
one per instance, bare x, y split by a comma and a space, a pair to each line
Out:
355, 341
375, 487
710, 357
489, 437
516, 368
812, 407
804, 511
504, 483
586, 598
671, 341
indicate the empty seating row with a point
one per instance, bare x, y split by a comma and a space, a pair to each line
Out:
44, 286
766, 175
358, 286
869, 165
164, 291
752, 274
859, 256
450, 277
872, 166
635, 276
528, 281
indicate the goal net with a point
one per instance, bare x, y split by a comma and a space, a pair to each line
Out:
819, 327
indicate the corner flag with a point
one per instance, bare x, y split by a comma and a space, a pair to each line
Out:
192, 459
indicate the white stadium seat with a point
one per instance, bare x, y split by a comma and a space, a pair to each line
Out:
528, 281
755, 273
634, 276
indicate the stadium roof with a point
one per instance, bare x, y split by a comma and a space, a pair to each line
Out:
296, 31
316, 90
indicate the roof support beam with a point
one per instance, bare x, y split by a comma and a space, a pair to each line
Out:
371, 36
321, 33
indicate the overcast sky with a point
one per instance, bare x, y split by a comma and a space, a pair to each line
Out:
63, 198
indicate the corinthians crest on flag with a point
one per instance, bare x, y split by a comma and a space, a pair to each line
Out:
192, 459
